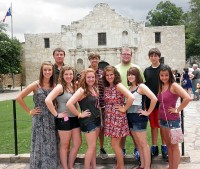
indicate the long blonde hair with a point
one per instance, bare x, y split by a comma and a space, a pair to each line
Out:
83, 83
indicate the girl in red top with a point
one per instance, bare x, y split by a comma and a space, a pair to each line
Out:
169, 92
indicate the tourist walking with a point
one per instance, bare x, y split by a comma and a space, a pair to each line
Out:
186, 82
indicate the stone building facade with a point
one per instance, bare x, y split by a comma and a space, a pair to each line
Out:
104, 31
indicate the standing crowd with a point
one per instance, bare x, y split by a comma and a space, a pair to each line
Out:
115, 102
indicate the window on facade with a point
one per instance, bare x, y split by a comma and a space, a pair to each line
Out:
157, 37
101, 39
79, 40
46, 43
162, 60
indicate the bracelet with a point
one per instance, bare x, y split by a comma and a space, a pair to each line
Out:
56, 116
176, 110
79, 116
30, 112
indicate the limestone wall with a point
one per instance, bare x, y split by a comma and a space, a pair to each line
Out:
81, 37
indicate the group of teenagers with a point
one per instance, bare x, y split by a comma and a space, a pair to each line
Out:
116, 102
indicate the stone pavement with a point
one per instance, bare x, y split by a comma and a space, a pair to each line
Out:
191, 141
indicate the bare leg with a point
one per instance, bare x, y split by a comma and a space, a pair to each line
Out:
64, 145
143, 147
91, 139
116, 145
154, 135
76, 143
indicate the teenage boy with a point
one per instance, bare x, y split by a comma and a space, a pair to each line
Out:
151, 75
94, 59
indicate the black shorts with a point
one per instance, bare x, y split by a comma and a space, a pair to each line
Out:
72, 123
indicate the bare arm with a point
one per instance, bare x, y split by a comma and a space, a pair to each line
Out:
78, 95
130, 98
177, 89
143, 89
49, 101
20, 98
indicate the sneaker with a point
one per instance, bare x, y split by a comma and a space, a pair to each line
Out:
154, 151
136, 154
164, 152
124, 151
103, 154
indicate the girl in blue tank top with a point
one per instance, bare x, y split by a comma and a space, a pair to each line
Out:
138, 115
169, 91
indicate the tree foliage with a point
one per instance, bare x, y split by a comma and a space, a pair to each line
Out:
193, 29
165, 14
3, 26
9, 55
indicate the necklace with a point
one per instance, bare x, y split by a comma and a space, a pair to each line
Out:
69, 89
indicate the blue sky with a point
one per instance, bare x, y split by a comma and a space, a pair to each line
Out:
47, 16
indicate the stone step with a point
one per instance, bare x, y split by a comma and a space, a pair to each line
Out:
129, 159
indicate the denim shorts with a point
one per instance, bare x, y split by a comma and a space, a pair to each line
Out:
139, 126
91, 126
171, 124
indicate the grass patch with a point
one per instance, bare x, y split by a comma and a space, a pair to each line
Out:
24, 126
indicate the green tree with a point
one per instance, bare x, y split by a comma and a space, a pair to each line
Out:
165, 14
3, 27
193, 30
10, 50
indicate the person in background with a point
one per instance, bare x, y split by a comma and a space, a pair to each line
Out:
126, 56
58, 55
43, 141
177, 75
89, 117
186, 82
197, 91
116, 124
168, 94
151, 75
138, 116
195, 78
67, 124
94, 59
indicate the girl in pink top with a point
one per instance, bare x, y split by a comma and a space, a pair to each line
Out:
169, 91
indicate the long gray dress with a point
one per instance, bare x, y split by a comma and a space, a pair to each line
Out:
43, 144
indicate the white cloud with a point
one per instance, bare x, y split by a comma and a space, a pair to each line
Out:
40, 16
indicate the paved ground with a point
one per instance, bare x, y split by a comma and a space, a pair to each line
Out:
192, 140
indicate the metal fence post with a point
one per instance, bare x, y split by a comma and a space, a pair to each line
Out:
182, 126
15, 126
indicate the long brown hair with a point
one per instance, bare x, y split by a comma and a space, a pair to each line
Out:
83, 83
171, 77
117, 78
41, 77
136, 72
61, 79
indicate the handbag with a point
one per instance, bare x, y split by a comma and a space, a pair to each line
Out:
183, 82
175, 134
